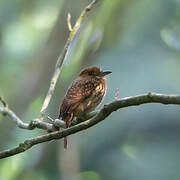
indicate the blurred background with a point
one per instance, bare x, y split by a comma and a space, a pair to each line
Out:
139, 41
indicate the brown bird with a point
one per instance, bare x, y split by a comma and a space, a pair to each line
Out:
83, 95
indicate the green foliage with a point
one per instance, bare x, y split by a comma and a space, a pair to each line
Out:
11, 167
171, 35
34, 108
89, 175
35, 175
129, 150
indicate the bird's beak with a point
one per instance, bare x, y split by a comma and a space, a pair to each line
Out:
104, 73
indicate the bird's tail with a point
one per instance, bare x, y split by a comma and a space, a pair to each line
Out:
68, 120
65, 142
65, 138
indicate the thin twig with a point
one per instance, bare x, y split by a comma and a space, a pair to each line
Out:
62, 57
116, 94
69, 22
38, 123
101, 115
35, 123
5, 104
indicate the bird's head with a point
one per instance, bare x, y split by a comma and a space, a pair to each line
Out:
93, 72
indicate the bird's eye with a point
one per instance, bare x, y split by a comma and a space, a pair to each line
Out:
90, 73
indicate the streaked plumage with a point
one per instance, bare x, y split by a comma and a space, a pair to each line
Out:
83, 95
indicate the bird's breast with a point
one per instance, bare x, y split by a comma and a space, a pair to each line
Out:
93, 100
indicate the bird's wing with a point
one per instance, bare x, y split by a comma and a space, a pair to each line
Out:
77, 92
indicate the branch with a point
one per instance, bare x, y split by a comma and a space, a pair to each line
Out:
38, 122
62, 56
101, 115
69, 22
3, 102
35, 123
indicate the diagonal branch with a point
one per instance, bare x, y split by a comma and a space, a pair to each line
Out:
35, 123
100, 116
38, 122
62, 56
3, 102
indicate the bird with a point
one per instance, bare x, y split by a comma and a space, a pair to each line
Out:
83, 95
